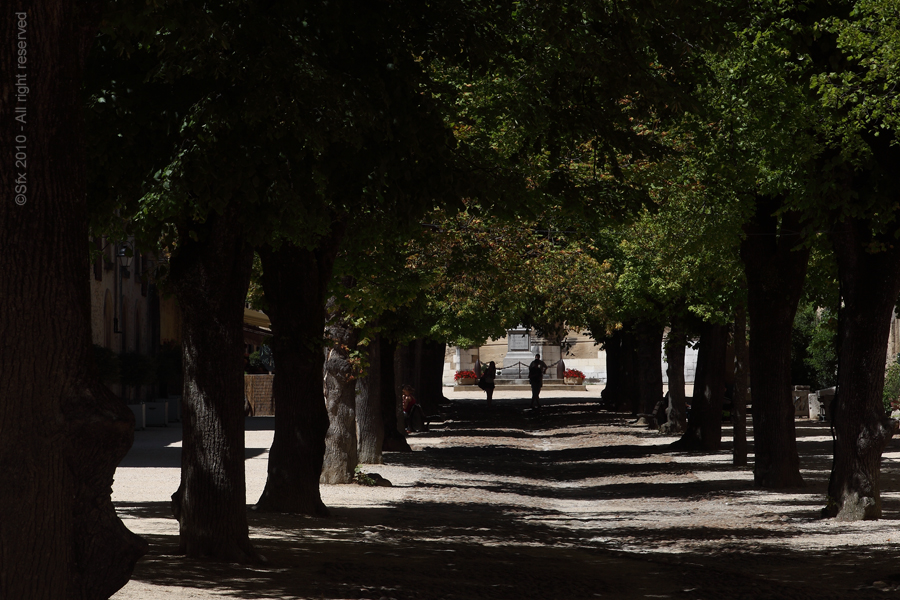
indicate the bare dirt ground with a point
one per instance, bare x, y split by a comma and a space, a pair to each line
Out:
567, 502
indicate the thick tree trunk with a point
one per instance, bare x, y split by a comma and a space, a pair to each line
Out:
870, 283
704, 428
775, 269
294, 281
394, 438
612, 391
648, 365
341, 454
210, 280
630, 396
421, 365
63, 432
431, 385
408, 365
369, 424
675, 349
621, 391
739, 397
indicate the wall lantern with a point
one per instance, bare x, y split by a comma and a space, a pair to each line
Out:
124, 256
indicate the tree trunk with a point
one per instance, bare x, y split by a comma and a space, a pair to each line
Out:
675, 349
621, 391
870, 283
739, 396
421, 365
369, 424
630, 395
63, 432
341, 454
648, 366
407, 363
704, 428
210, 280
612, 391
294, 281
394, 439
431, 384
775, 270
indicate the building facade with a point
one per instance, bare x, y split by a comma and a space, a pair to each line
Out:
128, 316
579, 351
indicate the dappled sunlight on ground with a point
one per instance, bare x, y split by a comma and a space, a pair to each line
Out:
505, 502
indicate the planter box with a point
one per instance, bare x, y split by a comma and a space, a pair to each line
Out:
140, 416
820, 404
466, 381
800, 396
574, 380
157, 413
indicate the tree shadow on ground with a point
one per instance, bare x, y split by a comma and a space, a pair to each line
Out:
420, 551
498, 515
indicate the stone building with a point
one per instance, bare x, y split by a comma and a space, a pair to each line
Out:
126, 313
518, 348
129, 315
893, 349
257, 328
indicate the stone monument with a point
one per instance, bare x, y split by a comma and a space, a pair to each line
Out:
521, 346
518, 350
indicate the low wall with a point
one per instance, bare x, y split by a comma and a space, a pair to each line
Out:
258, 389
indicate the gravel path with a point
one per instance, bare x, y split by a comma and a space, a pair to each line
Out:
567, 502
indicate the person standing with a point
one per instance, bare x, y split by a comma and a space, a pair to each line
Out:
536, 371
487, 381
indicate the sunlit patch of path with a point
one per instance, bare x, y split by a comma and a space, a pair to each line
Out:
566, 502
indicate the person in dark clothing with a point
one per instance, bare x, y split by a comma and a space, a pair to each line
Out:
536, 371
487, 381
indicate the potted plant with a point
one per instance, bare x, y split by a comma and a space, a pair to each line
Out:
573, 377
465, 377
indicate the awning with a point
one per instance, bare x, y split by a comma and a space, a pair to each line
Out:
256, 318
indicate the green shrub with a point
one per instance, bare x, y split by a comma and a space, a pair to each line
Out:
822, 350
362, 478
891, 384
261, 360
813, 343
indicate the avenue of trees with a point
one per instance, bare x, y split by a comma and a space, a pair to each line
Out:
393, 177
